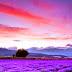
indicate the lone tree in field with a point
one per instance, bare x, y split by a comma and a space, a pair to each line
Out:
21, 53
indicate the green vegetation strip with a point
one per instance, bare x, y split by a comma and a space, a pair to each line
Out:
2, 57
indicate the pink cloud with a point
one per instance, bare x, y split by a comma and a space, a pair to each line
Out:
47, 5
30, 17
17, 12
6, 31
56, 25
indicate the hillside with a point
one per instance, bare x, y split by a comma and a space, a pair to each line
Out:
44, 55
6, 52
52, 51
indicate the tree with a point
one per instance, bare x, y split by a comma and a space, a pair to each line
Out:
13, 55
21, 53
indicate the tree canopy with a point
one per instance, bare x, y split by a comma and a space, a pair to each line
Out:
21, 53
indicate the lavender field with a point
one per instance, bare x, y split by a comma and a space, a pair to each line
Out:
21, 65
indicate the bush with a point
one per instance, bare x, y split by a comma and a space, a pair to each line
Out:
13, 55
21, 53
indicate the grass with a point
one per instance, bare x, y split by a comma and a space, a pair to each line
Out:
5, 57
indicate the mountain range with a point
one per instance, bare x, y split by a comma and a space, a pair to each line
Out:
52, 51
36, 52
6, 52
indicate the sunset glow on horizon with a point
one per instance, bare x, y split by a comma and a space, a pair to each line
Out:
35, 23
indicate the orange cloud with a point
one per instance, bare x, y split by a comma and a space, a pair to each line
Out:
51, 38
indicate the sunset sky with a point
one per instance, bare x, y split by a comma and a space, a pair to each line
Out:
35, 23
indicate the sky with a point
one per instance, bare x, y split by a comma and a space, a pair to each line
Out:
35, 23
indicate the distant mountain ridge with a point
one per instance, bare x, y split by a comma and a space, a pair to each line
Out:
7, 52
52, 51
44, 55
12, 48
